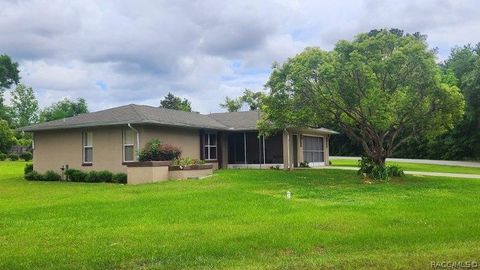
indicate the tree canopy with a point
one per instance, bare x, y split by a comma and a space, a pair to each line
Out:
250, 98
175, 103
7, 137
382, 88
9, 75
24, 106
63, 109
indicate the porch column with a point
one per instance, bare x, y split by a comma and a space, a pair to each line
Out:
245, 146
286, 149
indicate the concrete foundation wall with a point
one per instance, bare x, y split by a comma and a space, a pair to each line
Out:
185, 174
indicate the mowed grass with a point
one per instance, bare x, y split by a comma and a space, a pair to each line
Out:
414, 166
238, 219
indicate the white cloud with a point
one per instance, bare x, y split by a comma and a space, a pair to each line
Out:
118, 52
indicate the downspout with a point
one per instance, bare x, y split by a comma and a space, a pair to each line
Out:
138, 138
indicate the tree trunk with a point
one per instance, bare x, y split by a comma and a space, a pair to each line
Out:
379, 156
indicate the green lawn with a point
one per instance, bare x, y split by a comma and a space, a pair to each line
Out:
414, 166
238, 219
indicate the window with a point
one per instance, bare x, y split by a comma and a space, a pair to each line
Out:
313, 149
210, 146
87, 147
128, 145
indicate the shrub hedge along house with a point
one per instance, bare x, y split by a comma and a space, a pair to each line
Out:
109, 139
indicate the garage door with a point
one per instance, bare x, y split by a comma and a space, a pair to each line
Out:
313, 150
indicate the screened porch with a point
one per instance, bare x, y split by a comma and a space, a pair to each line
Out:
248, 150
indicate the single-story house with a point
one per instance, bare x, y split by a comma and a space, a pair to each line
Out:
109, 139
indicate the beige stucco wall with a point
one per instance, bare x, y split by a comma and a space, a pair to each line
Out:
53, 149
143, 175
185, 174
187, 139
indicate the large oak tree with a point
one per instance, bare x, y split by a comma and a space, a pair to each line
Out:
381, 89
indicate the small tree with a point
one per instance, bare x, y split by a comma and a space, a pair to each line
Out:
175, 103
24, 106
382, 88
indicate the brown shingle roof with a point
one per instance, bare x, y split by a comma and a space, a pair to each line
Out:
133, 114
238, 120
142, 114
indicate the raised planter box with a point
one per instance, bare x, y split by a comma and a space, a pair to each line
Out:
143, 172
189, 172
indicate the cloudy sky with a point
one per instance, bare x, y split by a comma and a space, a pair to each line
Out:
120, 52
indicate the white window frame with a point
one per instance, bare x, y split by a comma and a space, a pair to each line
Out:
207, 147
85, 146
124, 144
319, 163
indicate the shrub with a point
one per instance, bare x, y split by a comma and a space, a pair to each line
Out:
304, 164
28, 168
13, 157
366, 165
395, 171
377, 172
105, 176
52, 176
119, 178
93, 177
169, 152
187, 161
155, 151
380, 173
27, 156
75, 175
151, 151
3, 156
33, 176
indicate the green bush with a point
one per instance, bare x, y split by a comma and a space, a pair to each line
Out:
377, 172
75, 175
52, 176
33, 176
13, 157
395, 171
120, 178
187, 161
304, 164
380, 173
3, 156
155, 151
366, 165
105, 176
93, 177
27, 156
28, 168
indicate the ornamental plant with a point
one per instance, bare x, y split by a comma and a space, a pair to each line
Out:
156, 151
